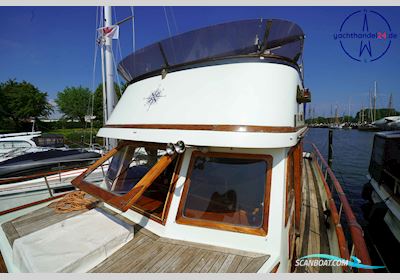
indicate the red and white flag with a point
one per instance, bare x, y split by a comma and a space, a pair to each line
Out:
109, 31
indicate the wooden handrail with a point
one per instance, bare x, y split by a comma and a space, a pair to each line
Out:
335, 217
10, 180
356, 232
30, 204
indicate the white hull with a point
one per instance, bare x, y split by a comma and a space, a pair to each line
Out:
392, 217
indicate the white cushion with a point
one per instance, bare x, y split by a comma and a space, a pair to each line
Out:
76, 244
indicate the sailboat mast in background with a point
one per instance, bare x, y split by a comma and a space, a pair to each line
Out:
108, 72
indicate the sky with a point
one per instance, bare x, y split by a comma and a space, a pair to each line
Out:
54, 47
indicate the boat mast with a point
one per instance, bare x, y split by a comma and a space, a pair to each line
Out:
374, 101
336, 115
390, 105
370, 107
108, 76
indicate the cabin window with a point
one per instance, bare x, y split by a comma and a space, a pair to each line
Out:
289, 184
228, 192
134, 175
14, 144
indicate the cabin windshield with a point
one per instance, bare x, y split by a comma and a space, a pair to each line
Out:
247, 38
135, 175
128, 166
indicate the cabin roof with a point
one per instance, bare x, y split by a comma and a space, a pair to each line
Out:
271, 38
389, 134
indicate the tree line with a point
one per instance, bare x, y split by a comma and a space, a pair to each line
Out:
22, 102
364, 115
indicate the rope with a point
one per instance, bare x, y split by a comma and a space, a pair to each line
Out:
74, 201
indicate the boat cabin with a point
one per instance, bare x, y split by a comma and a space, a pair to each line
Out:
209, 133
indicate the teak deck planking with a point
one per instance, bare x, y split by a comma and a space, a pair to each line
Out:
313, 232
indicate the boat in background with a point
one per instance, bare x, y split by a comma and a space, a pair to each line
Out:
15, 144
38, 175
384, 178
388, 123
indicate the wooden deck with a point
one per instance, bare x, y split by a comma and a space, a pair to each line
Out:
147, 252
150, 253
313, 230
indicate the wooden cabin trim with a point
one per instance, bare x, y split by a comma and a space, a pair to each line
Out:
292, 244
218, 127
261, 231
172, 188
289, 189
3, 267
275, 268
123, 202
298, 184
294, 154
163, 219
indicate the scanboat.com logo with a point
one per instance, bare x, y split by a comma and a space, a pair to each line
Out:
365, 36
329, 260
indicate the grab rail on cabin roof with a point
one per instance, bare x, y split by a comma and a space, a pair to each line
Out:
358, 247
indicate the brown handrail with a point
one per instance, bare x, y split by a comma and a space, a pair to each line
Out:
36, 176
30, 204
344, 251
356, 232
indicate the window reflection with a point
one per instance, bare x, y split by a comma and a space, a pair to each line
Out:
227, 190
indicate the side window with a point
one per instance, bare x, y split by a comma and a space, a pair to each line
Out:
14, 144
289, 184
227, 191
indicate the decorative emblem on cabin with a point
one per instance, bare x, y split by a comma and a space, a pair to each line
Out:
153, 98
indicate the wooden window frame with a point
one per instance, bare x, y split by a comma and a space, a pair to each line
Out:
261, 231
168, 199
123, 202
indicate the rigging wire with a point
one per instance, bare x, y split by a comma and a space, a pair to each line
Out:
91, 102
119, 51
169, 31
133, 30
174, 20
116, 72
166, 19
